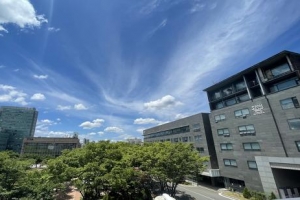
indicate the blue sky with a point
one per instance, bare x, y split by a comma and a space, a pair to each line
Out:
109, 69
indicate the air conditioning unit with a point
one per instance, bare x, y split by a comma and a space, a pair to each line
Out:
217, 121
244, 116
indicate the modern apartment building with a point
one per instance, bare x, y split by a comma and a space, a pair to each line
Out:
255, 122
16, 123
194, 129
51, 147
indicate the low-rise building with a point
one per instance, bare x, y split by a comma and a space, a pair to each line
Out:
51, 147
195, 130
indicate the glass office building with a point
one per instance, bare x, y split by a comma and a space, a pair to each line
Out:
16, 123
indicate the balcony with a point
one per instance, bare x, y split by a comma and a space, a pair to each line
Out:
211, 172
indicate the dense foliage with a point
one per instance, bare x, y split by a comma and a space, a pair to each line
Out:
102, 170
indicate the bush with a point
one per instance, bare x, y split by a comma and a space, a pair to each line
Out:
272, 196
258, 195
246, 193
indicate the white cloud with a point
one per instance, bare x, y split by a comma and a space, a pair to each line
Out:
53, 29
11, 94
58, 119
113, 129
179, 116
16, 70
40, 76
80, 107
92, 133
94, 124
47, 121
38, 97
146, 121
6, 87
2, 66
60, 107
101, 133
140, 130
20, 13
167, 101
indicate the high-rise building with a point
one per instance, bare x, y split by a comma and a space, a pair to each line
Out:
16, 123
255, 126
255, 121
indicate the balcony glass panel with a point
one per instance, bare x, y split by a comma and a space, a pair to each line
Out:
240, 86
281, 69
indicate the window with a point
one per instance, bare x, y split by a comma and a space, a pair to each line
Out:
246, 130
223, 131
284, 85
200, 149
185, 139
242, 112
230, 162
294, 124
219, 105
298, 145
217, 95
227, 91
240, 86
197, 138
219, 118
281, 69
226, 146
251, 146
289, 103
242, 98
196, 127
252, 164
230, 102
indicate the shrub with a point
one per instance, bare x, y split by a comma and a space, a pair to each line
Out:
272, 196
246, 193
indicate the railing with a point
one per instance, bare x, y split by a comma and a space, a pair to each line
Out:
211, 172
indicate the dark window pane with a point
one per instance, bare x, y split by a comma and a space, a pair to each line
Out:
230, 102
281, 69
294, 124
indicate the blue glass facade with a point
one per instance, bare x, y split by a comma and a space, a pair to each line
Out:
16, 123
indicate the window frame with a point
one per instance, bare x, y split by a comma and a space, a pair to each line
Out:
220, 119
242, 133
240, 116
226, 145
251, 144
294, 102
298, 145
290, 124
230, 161
222, 129
252, 161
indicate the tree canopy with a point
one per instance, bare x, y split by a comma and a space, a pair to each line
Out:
102, 170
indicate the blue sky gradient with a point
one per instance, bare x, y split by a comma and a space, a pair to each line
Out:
109, 69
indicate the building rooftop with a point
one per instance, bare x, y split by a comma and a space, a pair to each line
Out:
266, 62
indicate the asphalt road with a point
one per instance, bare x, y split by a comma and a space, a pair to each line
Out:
197, 193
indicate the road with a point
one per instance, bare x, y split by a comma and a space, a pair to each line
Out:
187, 192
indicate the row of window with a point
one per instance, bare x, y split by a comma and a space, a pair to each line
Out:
196, 138
249, 146
288, 103
233, 163
243, 130
184, 129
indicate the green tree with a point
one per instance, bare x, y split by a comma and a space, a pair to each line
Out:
169, 163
